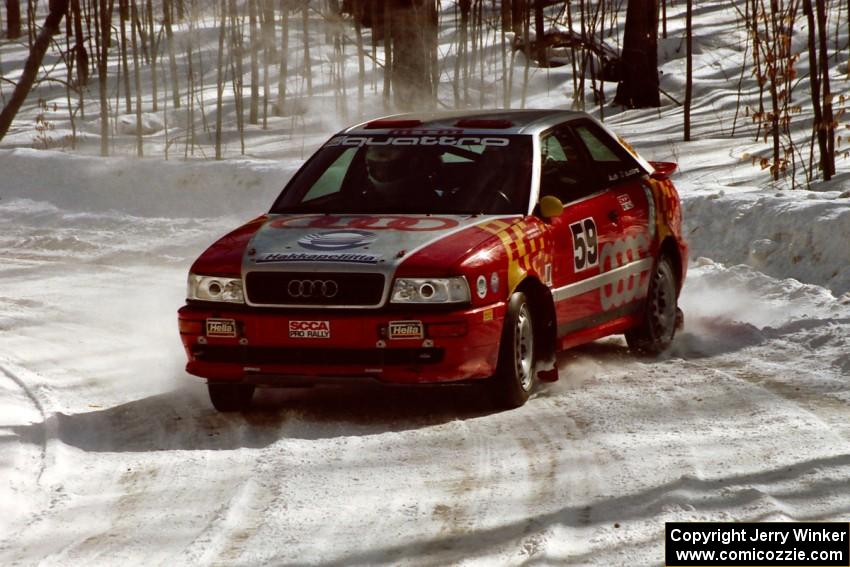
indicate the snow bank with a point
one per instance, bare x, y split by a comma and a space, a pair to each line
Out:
802, 235
143, 187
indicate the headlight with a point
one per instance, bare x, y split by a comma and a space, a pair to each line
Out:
213, 288
430, 290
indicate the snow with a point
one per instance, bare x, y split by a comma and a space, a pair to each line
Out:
111, 454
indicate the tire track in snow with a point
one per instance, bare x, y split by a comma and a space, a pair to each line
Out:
762, 382
46, 431
30, 394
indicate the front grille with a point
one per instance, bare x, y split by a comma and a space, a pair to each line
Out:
320, 356
314, 288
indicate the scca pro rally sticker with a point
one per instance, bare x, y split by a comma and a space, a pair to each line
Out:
309, 329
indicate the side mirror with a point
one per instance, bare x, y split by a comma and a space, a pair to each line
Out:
551, 207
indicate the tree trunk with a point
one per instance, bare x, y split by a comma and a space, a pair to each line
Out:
506, 13
125, 66
518, 10
155, 39
254, 104
827, 159
268, 28
13, 19
386, 31
283, 71
414, 38
308, 67
638, 87
461, 70
58, 8
539, 32
139, 148
80, 45
689, 82
361, 60
104, 24
172, 60
219, 82
236, 68
814, 84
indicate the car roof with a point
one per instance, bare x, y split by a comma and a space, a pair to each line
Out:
521, 121
528, 122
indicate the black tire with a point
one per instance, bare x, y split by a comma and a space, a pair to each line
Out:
657, 327
229, 397
515, 374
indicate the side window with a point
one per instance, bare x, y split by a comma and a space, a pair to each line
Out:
564, 173
607, 156
331, 180
552, 150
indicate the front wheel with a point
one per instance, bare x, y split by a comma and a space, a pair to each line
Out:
228, 397
514, 377
654, 333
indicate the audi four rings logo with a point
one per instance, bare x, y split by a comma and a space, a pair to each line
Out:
305, 289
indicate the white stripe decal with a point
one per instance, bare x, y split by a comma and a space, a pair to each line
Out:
610, 277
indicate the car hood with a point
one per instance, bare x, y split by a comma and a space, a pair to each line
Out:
355, 243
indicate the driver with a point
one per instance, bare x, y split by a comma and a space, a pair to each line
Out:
401, 174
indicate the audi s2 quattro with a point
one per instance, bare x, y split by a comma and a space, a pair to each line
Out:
441, 248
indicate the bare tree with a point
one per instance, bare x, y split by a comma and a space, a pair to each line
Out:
219, 83
461, 55
689, 64
58, 8
282, 73
13, 19
122, 17
104, 18
254, 103
305, 31
172, 59
639, 85
827, 121
82, 56
138, 82
411, 29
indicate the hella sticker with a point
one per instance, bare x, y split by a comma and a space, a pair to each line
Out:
221, 327
406, 330
309, 329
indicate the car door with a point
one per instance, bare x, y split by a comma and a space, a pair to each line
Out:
580, 234
626, 257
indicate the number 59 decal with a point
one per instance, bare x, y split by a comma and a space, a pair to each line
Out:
585, 244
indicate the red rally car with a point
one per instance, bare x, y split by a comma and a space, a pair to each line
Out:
442, 248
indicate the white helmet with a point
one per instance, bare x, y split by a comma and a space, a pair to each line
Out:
391, 168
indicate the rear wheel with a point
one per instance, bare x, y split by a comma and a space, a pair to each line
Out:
514, 378
226, 396
655, 332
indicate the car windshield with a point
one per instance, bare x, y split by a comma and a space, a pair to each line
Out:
421, 173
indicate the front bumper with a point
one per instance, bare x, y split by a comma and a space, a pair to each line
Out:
456, 345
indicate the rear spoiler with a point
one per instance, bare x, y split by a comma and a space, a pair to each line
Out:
663, 169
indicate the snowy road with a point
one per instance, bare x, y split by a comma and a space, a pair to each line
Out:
111, 454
